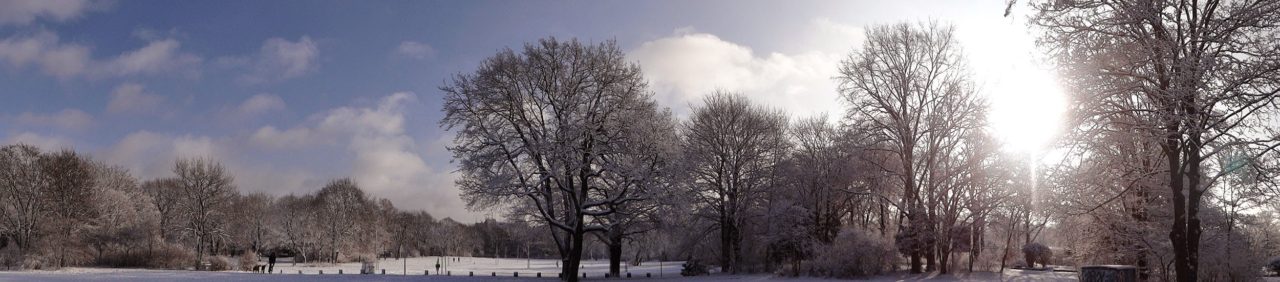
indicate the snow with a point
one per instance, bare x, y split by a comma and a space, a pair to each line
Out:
487, 267
483, 269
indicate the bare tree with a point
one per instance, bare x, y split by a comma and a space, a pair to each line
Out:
23, 186
733, 148
909, 86
70, 195
344, 208
638, 175
166, 198
534, 126
1200, 76
207, 191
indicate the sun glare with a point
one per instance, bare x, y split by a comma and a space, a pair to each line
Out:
1026, 100
1026, 109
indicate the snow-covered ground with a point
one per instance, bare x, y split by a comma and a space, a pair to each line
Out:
483, 269
488, 267
98, 274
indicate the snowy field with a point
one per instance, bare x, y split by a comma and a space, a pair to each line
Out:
483, 269
98, 274
487, 267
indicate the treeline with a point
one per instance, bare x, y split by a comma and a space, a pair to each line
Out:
568, 135
63, 209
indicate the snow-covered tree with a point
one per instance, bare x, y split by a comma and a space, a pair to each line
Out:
1189, 79
534, 126
910, 87
207, 191
733, 148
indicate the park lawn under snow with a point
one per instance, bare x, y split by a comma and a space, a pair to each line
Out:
102, 274
505, 267
483, 268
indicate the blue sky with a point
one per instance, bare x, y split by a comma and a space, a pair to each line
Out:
291, 94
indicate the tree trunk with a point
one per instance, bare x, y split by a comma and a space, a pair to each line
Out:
615, 251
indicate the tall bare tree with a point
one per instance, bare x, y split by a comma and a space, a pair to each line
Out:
733, 148
1200, 76
910, 87
70, 194
207, 190
638, 175
166, 199
23, 185
533, 126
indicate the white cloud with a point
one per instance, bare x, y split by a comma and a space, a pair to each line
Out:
386, 161
45, 143
43, 50
416, 50
280, 59
22, 12
130, 97
158, 56
151, 155
67, 60
71, 119
272, 138
687, 66
261, 103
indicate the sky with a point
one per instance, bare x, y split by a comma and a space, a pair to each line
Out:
289, 95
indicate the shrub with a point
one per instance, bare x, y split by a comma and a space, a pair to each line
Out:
855, 253
693, 268
248, 260
10, 257
1274, 266
1036, 253
170, 256
218, 263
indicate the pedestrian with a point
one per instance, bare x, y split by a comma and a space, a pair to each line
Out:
271, 262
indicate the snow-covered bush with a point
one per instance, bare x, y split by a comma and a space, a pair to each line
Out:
248, 260
1037, 253
855, 253
218, 263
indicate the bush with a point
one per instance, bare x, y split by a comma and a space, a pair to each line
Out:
218, 263
248, 260
693, 268
170, 256
1274, 266
1036, 253
10, 257
855, 253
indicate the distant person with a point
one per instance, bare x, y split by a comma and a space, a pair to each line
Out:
271, 262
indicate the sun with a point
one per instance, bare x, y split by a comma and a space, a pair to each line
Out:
1026, 100
1026, 109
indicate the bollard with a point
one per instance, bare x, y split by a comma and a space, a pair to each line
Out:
471, 273
384, 271
339, 271
539, 274
584, 275
646, 275
299, 271
628, 274
321, 272
426, 272
448, 273
494, 274
517, 274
